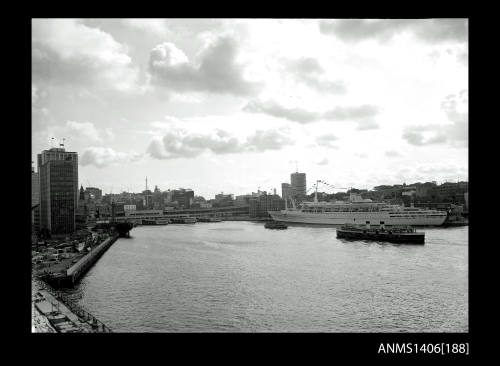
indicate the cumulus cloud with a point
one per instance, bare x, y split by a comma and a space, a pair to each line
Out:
393, 154
352, 113
427, 30
268, 140
180, 143
66, 51
455, 107
87, 130
104, 156
418, 138
309, 72
326, 140
215, 71
363, 115
155, 26
276, 110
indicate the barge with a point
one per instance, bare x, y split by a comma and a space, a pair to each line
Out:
275, 225
393, 234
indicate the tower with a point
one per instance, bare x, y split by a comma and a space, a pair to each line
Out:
298, 185
58, 171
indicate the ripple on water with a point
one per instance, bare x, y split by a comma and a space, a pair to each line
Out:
240, 277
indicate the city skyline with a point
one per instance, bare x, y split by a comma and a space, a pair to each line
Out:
200, 104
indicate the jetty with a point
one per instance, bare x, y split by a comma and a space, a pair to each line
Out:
68, 277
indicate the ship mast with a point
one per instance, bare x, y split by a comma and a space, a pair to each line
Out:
316, 193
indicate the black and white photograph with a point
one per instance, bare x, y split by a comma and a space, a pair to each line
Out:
250, 175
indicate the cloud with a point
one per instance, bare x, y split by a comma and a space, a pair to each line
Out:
325, 161
179, 143
382, 30
309, 72
268, 140
154, 26
363, 115
65, 51
276, 110
455, 107
104, 156
393, 154
417, 138
85, 130
34, 93
216, 71
352, 113
326, 140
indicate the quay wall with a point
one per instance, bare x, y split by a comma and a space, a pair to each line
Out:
78, 269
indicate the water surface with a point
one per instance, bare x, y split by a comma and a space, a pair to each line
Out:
240, 277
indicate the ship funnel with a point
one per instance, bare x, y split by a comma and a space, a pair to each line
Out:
382, 225
368, 224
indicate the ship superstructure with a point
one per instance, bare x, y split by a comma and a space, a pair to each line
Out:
357, 211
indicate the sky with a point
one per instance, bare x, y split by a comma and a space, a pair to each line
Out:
237, 105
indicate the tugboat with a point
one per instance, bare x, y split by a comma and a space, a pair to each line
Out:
275, 225
394, 234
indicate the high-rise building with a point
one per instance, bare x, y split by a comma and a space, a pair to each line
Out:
58, 171
183, 197
298, 185
35, 200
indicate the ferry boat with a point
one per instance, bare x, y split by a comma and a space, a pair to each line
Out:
155, 222
395, 234
209, 219
183, 220
357, 210
275, 225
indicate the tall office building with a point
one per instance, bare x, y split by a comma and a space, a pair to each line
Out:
58, 171
35, 200
298, 185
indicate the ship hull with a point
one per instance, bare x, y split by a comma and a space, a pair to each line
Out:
341, 218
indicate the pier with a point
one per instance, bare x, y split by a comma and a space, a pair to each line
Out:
53, 312
76, 271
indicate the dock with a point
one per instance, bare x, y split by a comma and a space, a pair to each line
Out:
52, 312
73, 274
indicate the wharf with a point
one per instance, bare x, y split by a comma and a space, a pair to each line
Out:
52, 315
69, 276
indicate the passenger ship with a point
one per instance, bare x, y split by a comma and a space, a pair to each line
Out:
358, 211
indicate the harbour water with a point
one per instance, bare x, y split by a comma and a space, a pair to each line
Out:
241, 277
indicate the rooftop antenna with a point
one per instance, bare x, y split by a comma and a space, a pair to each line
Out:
146, 183
296, 167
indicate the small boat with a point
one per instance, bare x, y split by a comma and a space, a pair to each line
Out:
275, 225
393, 234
